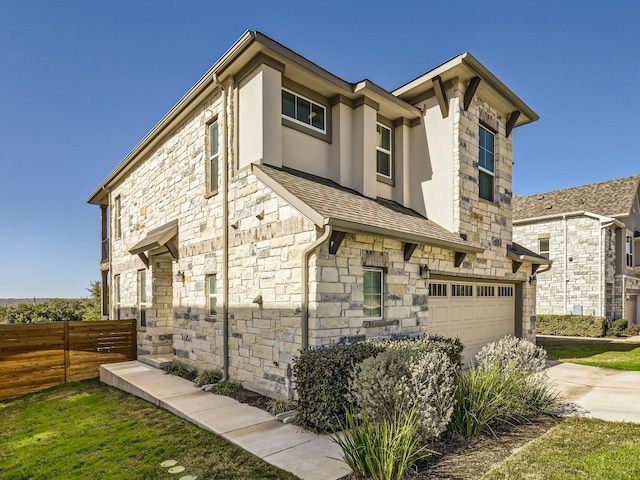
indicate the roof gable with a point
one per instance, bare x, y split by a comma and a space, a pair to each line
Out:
613, 198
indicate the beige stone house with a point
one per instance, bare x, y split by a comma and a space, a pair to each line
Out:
277, 206
590, 233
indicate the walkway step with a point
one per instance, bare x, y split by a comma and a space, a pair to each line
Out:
305, 454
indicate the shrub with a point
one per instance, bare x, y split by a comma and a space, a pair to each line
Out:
207, 377
618, 327
381, 451
225, 388
398, 380
179, 370
514, 353
322, 380
571, 325
633, 330
452, 347
280, 405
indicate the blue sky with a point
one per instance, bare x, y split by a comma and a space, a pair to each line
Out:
81, 82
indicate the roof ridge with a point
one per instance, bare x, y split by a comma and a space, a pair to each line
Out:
637, 177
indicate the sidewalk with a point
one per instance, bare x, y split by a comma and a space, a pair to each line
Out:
307, 455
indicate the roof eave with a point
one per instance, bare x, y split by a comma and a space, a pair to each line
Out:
528, 259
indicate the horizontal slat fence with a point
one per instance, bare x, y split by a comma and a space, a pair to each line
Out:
42, 355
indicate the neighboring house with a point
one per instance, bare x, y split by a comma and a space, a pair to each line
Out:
277, 207
591, 234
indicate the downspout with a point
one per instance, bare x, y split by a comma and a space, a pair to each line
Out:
225, 232
306, 255
565, 264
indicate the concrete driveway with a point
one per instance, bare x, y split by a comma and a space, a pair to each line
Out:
597, 392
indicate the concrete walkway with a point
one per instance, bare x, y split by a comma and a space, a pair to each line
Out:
597, 392
307, 455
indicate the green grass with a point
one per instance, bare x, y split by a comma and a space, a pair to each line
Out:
89, 430
578, 448
604, 352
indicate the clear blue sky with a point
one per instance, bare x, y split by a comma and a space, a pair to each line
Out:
81, 82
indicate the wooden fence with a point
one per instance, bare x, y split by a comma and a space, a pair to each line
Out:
41, 355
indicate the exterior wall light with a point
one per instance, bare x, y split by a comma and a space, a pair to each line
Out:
425, 273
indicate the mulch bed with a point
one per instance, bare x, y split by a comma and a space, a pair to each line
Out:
460, 458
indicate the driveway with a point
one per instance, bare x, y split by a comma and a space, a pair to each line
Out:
597, 392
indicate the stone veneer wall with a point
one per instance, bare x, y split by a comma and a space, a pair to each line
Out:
584, 263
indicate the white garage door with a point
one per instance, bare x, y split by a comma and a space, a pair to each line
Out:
477, 313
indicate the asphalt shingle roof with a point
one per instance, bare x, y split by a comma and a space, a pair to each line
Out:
610, 198
333, 201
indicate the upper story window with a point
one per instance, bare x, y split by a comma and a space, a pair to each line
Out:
116, 287
303, 110
142, 297
372, 280
117, 214
629, 250
383, 151
543, 247
214, 154
486, 174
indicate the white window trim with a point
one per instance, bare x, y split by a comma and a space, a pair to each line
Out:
210, 296
307, 125
384, 150
118, 217
381, 272
212, 157
628, 256
117, 294
547, 251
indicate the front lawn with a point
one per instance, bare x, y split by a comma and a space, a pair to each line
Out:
607, 353
89, 430
577, 448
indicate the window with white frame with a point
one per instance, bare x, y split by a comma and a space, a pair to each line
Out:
214, 154
543, 247
303, 110
461, 290
485, 291
372, 280
117, 215
505, 291
212, 296
629, 250
383, 151
486, 174
437, 289
142, 297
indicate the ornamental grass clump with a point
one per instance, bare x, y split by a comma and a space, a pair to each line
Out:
508, 383
400, 380
208, 377
381, 450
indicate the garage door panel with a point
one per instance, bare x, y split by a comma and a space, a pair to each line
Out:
476, 320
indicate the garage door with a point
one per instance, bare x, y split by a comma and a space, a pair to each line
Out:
477, 313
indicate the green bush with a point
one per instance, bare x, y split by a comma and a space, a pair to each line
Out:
618, 327
280, 405
179, 370
322, 380
633, 330
514, 353
571, 325
225, 388
398, 380
207, 377
382, 451
452, 347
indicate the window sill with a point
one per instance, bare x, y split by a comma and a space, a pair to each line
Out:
210, 318
211, 194
382, 179
379, 323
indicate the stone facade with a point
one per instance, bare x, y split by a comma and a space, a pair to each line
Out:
266, 236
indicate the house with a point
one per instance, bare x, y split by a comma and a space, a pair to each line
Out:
277, 207
590, 233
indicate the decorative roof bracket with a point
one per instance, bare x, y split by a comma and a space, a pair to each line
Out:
458, 258
441, 95
470, 92
409, 248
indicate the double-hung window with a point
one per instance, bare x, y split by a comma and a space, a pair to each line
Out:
212, 296
543, 247
117, 294
304, 111
486, 174
383, 151
372, 280
117, 214
629, 250
214, 153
